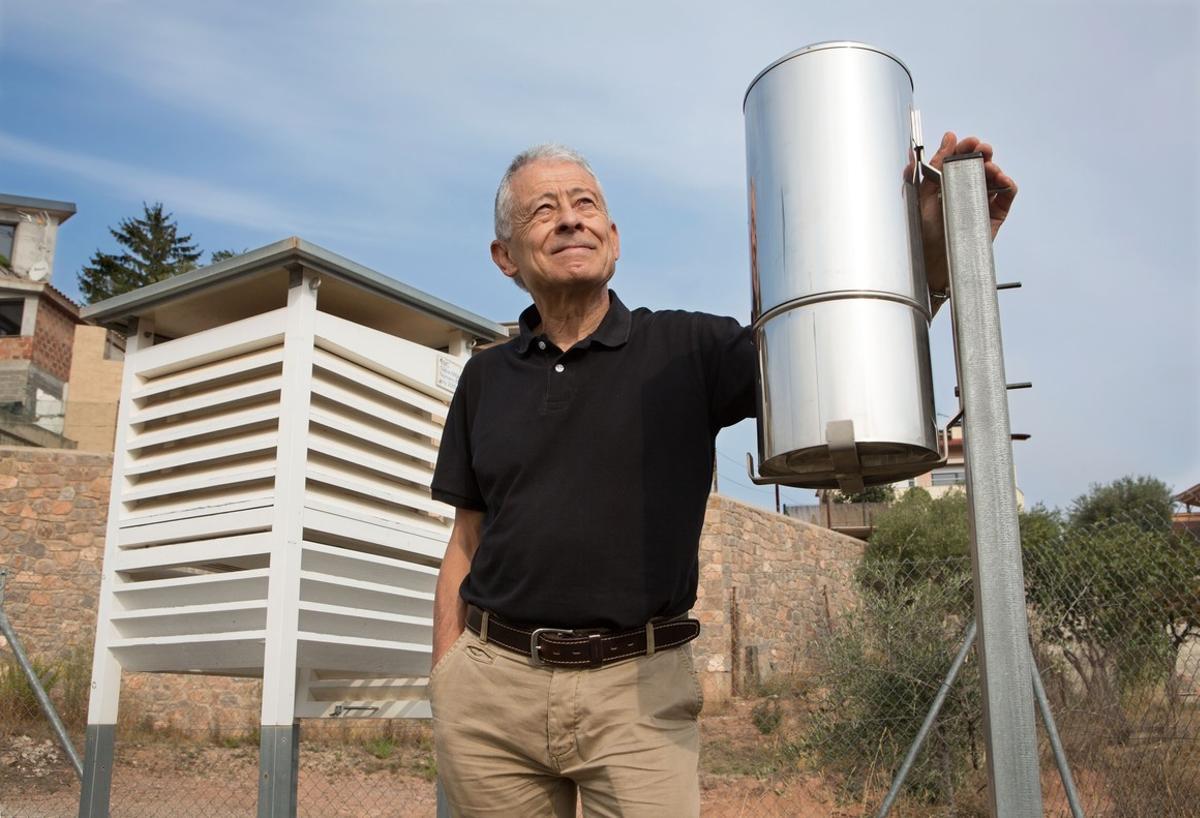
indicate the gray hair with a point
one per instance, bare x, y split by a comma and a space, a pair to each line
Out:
546, 152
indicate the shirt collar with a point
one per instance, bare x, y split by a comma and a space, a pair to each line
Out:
612, 332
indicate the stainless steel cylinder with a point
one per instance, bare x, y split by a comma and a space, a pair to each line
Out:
840, 304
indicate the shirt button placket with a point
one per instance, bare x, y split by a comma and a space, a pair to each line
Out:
557, 384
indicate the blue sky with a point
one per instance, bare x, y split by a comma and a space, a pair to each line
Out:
379, 130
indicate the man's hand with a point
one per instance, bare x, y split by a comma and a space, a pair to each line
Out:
933, 233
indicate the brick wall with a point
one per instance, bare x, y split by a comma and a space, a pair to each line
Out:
16, 347
53, 336
768, 585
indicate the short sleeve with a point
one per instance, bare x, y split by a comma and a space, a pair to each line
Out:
454, 480
730, 364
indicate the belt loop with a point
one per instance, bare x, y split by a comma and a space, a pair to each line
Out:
483, 627
650, 638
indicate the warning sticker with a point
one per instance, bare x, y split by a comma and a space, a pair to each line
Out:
448, 373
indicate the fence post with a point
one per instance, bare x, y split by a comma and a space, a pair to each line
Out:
1005, 662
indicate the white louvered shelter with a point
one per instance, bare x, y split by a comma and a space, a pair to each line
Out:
270, 512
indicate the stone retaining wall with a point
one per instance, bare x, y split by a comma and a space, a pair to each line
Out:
769, 585
53, 508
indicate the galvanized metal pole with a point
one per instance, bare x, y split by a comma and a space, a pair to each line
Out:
95, 790
60, 731
1004, 657
278, 770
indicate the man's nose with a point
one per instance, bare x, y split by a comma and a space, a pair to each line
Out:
569, 220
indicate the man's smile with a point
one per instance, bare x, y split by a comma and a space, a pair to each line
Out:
567, 247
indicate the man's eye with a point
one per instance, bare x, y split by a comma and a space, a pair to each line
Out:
544, 208
585, 203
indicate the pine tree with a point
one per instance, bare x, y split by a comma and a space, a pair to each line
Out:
154, 250
222, 255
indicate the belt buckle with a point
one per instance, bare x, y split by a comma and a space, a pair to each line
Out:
533, 642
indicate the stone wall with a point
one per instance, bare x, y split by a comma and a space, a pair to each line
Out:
768, 585
53, 508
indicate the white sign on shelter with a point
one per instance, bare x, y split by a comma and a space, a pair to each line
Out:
270, 512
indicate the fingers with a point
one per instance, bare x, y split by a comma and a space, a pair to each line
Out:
952, 146
996, 178
1002, 186
998, 208
949, 140
1000, 202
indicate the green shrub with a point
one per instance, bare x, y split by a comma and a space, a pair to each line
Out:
767, 715
881, 671
18, 702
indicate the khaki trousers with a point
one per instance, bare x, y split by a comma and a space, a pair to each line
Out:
515, 739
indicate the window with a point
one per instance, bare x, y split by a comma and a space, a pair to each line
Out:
11, 311
953, 477
7, 233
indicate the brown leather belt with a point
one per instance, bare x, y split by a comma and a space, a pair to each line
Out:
560, 647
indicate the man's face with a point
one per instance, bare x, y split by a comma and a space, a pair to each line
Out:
562, 238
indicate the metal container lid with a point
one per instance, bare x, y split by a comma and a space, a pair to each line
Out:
823, 47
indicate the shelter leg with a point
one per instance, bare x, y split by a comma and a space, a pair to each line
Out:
278, 770
97, 771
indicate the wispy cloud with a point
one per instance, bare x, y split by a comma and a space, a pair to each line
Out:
194, 196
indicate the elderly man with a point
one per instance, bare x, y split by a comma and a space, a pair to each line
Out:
579, 456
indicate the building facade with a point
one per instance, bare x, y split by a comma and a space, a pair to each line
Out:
37, 324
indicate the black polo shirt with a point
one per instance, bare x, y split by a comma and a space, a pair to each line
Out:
593, 465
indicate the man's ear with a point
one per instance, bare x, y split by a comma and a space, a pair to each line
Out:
616, 240
502, 259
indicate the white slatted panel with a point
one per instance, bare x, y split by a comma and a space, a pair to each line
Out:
375, 426
195, 589
329, 695
373, 535
193, 539
202, 420
237, 653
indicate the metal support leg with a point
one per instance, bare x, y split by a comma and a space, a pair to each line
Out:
1060, 756
1005, 664
278, 770
97, 771
47, 706
927, 725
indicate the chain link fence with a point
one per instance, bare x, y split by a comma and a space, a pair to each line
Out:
1114, 610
